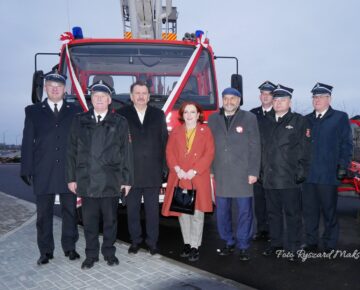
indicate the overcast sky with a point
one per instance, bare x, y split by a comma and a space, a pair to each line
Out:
295, 43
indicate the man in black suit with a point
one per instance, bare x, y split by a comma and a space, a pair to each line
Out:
261, 214
43, 154
149, 134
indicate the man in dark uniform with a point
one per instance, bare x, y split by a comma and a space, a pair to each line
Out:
99, 166
331, 155
43, 154
286, 146
149, 135
261, 214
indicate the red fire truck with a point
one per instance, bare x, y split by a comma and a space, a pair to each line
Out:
350, 185
174, 70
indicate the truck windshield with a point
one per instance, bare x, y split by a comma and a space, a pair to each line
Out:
159, 65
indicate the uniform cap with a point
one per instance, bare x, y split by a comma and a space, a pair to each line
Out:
56, 77
101, 86
267, 86
282, 91
321, 89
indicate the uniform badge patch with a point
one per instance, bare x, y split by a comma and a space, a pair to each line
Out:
239, 129
289, 127
308, 133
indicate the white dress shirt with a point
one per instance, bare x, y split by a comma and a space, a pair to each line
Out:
321, 113
103, 115
52, 105
141, 115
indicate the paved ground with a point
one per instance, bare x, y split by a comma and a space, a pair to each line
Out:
18, 269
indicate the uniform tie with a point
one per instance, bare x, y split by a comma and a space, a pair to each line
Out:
56, 111
99, 118
264, 112
319, 116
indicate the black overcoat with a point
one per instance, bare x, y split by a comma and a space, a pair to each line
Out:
286, 150
149, 143
43, 150
99, 155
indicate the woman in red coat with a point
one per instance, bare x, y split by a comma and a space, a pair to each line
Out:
189, 154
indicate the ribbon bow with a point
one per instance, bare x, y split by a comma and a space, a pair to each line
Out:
66, 37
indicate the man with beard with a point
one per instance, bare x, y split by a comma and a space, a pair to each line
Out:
235, 168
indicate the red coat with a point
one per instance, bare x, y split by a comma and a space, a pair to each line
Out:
199, 158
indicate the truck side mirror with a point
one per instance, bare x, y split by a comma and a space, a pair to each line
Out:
37, 86
236, 83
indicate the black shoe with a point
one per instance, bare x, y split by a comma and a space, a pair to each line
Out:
261, 236
73, 255
194, 255
271, 251
44, 259
133, 249
89, 263
153, 251
310, 248
227, 250
185, 251
50, 256
112, 260
244, 255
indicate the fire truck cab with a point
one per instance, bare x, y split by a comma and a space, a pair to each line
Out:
174, 70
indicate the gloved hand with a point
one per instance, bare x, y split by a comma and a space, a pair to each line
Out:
299, 179
27, 179
341, 173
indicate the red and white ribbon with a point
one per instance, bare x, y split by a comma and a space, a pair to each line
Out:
66, 38
189, 68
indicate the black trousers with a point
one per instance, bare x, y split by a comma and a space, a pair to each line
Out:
151, 205
319, 198
44, 222
288, 202
92, 210
261, 213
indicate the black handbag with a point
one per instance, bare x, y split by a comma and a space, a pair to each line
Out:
183, 200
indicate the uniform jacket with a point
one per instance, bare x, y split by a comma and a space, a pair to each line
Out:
258, 111
43, 150
199, 158
331, 146
286, 147
99, 155
149, 143
237, 153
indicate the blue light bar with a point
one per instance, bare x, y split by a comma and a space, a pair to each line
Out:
77, 32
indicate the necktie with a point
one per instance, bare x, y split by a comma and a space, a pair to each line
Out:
56, 111
264, 113
99, 118
319, 116
279, 119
